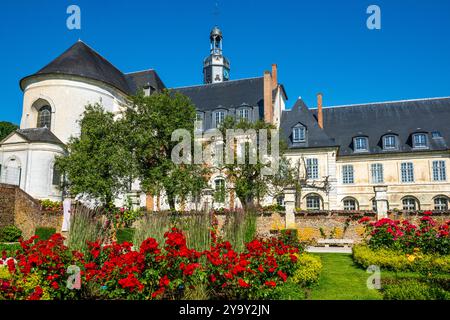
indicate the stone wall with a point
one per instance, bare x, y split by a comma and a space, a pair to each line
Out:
20, 209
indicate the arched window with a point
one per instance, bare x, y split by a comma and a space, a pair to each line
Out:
441, 203
410, 204
44, 119
350, 204
219, 190
313, 202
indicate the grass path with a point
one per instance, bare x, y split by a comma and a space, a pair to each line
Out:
341, 279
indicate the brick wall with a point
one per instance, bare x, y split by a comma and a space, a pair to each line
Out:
20, 209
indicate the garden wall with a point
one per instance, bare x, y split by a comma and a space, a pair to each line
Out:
20, 209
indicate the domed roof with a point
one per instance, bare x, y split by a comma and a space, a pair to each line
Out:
215, 32
81, 60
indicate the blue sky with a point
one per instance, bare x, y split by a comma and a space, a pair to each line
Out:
320, 45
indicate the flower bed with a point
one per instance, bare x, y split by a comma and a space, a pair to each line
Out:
156, 271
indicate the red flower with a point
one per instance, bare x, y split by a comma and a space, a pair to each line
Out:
131, 283
37, 294
164, 281
270, 284
282, 275
55, 285
243, 284
364, 219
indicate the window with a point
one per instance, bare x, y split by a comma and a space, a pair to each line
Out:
347, 174
410, 204
244, 114
299, 134
313, 202
407, 172
350, 204
219, 117
436, 134
280, 200
390, 142
377, 173
56, 177
198, 122
441, 203
44, 119
419, 140
312, 168
219, 190
361, 144
439, 173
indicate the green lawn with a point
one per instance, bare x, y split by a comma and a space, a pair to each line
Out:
341, 279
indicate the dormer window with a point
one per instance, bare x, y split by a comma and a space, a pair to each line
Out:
389, 142
436, 134
44, 119
244, 114
420, 140
199, 122
219, 117
299, 134
361, 144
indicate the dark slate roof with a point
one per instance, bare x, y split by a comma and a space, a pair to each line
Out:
300, 114
38, 135
375, 120
81, 60
228, 94
140, 79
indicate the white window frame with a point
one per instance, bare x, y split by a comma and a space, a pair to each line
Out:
299, 134
359, 147
348, 206
410, 204
387, 146
219, 117
376, 172
439, 204
407, 172
439, 170
244, 114
313, 202
348, 175
420, 144
312, 168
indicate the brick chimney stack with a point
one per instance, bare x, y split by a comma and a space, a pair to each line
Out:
319, 110
268, 106
274, 76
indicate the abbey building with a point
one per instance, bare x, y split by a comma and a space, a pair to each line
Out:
348, 156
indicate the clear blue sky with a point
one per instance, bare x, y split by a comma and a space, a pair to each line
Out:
320, 45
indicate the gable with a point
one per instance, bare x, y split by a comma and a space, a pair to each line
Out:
13, 138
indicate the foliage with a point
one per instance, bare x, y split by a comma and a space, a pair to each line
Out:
4, 273
10, 249
6, 128
51, 206
412, 289
428, 236
10, 234
152, 225
97, 164
150, 122
290, 237
308, 270
396, 260
239, 228
44, 233
125, 235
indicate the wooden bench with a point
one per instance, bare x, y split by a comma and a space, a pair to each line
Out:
337, 242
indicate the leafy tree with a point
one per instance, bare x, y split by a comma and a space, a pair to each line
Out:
97, 165
6, 128
151, 120
249, 182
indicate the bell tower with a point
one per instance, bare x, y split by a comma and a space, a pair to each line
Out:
216, 68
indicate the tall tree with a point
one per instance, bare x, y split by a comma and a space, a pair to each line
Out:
98, 165
151, 120
6, 128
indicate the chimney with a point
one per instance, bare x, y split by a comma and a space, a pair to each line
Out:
268, 106
319, 110
274, 76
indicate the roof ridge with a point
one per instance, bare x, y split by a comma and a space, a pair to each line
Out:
382, 102
217, 83
140, 71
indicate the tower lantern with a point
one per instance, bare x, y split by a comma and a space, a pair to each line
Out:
216, 67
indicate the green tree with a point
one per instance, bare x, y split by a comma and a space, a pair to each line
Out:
6, 128
249, 182
151, 120
98, 164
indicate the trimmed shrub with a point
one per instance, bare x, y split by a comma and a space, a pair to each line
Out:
308, 270
10, 234
125, 235
399, 261
414, 290
44, 233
